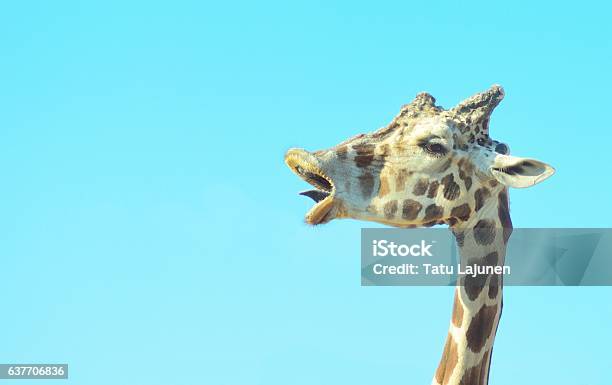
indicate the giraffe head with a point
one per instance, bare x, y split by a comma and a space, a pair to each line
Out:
426, 167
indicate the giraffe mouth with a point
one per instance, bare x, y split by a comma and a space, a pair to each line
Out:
304, 165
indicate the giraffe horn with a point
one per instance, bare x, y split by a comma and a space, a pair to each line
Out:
477, 109
424, 99
423, 102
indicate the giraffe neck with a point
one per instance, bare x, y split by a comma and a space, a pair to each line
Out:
478, 301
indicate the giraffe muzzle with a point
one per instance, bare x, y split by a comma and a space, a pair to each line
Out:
307, 166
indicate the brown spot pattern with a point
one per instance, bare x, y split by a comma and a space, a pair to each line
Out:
363, 160
467, 180
481, 327
494, 286
491, 259
480, 196
384, 150
433, 212
410, 209
364, 154
390, 209
462, 174
468, 167
364, 148
477, 374
451, 189
341, 152
459, 236
474, 285
420, 187
462, 212
366, 182
484, 232
384, 187
468, 183
503, 210
400, 181
433, 189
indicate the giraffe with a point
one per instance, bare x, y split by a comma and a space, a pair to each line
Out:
432, 166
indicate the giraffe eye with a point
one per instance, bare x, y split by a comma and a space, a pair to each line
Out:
434, 148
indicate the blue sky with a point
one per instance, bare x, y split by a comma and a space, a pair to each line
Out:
151, 234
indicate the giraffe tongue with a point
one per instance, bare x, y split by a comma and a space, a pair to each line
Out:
315, 195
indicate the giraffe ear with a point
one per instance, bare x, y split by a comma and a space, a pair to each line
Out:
518, 172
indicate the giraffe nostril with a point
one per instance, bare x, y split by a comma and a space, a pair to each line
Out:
501, 148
